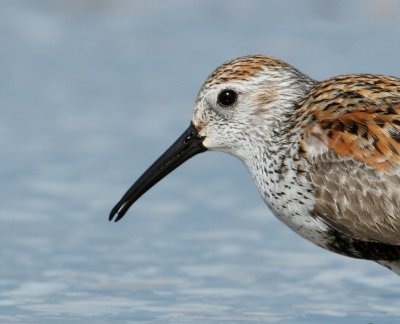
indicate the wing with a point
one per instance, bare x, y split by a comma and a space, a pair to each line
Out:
351, 144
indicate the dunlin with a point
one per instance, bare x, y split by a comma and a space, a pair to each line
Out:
325, 156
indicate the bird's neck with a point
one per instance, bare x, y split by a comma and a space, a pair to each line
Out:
273, 159
270, 148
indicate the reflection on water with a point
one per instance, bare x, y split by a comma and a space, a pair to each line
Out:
92, 93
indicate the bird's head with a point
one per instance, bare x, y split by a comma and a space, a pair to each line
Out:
240, 102
244, 99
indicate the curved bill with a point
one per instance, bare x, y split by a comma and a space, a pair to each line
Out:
187, 145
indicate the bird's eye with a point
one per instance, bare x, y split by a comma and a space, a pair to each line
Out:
227, 98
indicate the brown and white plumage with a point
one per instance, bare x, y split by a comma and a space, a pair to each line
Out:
325, 156
356, 174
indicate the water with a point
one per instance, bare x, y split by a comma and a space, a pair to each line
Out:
91, 93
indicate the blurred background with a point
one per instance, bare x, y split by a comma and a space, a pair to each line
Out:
92, 92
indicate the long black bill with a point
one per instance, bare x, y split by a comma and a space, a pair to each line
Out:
187, 145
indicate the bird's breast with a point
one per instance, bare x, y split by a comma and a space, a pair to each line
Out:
290, 196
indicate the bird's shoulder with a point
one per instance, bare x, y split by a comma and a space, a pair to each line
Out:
355, 116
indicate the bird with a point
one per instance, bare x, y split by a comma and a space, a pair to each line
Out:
324, 155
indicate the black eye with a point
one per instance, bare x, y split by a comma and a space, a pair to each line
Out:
227, 97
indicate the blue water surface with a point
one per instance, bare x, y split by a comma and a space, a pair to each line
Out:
91, 93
